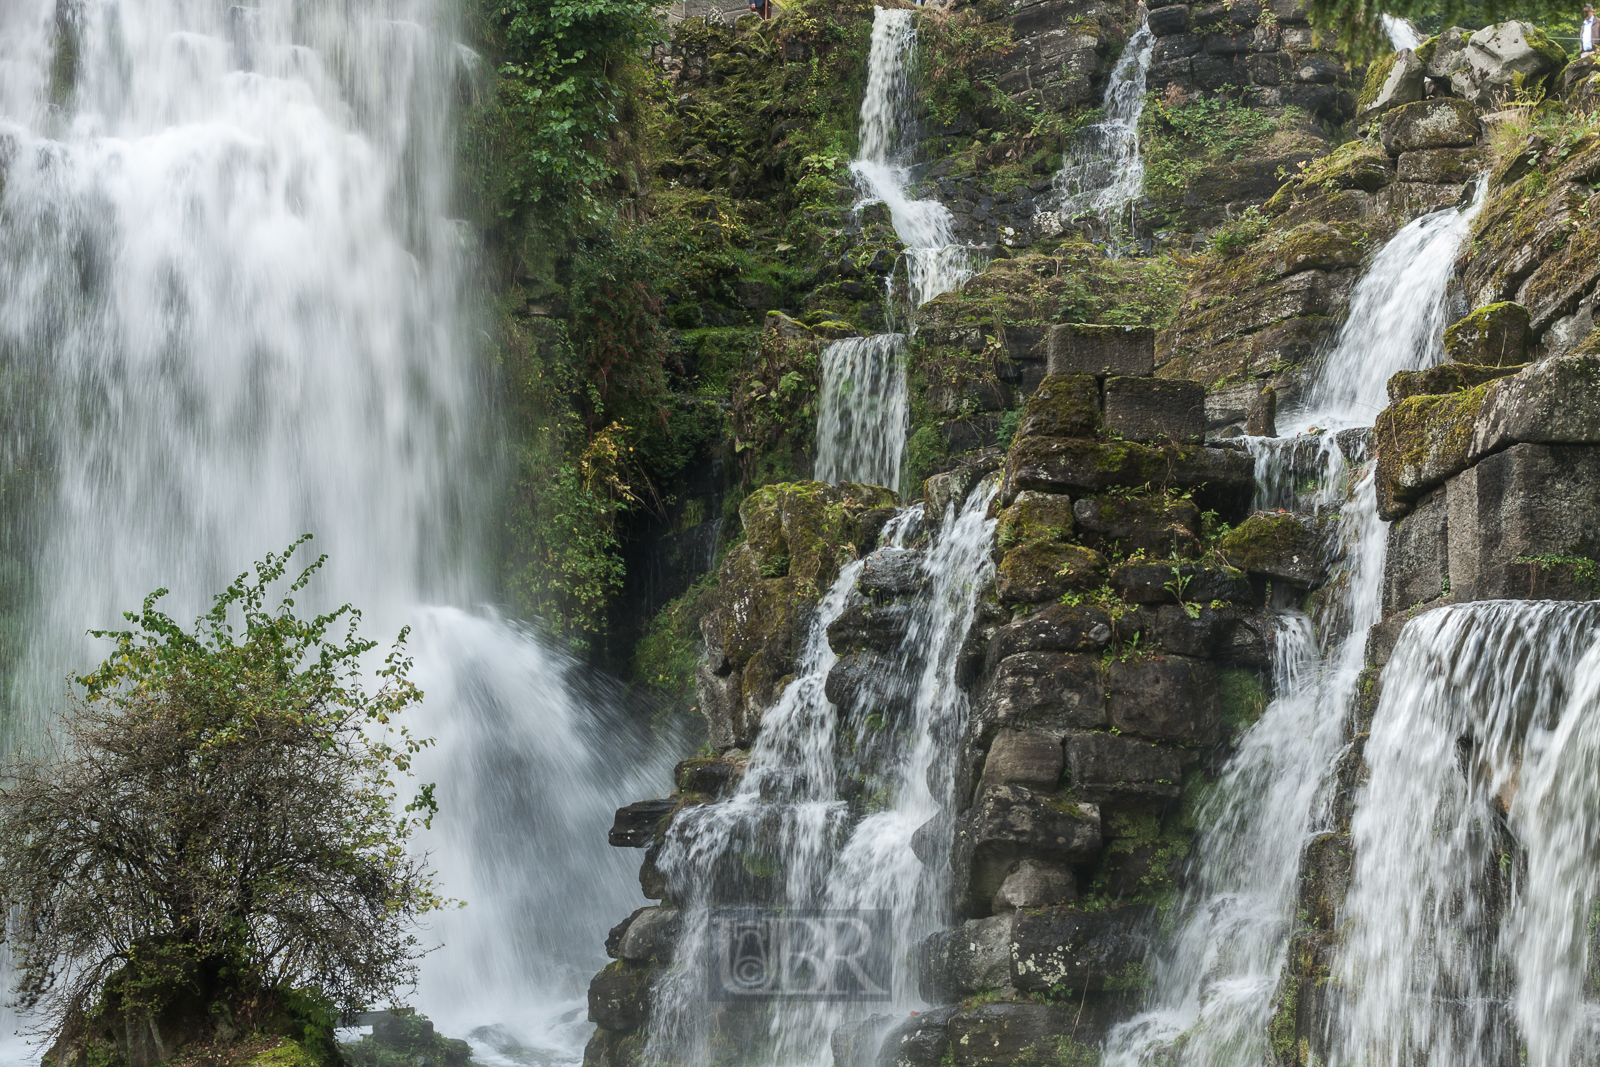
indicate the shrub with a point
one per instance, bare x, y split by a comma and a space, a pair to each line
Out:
216, 830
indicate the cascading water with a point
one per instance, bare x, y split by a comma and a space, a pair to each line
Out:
232, 310
1103, 172
791, 838
1401, 33
935, 262
1214, 984
864, 415
1456, 951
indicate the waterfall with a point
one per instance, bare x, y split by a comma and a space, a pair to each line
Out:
1103, 172
1484, 744
864, 417
1401, 33
935, 263
233, 310
1214, 987
791, 837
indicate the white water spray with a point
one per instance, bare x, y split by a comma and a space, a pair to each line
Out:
864, 415
1103, 172
936, 263
232, 311
1214, 988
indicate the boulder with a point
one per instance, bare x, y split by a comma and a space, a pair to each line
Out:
1044, 571
1282, 546
1429, 124
619, 997
1108, 767
996, 1035
865, 626
1064, 405
1154, 524
1010, 823
1167, 21
614, 937
973, 957
651, 935
1438, 166
1165, 698
1051, 692
1401, 85
1035, 884
637, 824
1504, 57
1057, 949
1101, 350
1448, 54
1495, 335
1155, 409
891, 572
1027, 758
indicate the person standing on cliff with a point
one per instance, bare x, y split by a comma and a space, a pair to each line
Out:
1587, 31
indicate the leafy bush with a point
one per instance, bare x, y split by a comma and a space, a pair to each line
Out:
218, 829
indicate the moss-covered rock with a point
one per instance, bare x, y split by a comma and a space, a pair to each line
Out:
1444, 378
1044, 570
1221, 479
1495, 335
1034, 517
1420, 442
1281, 546
1439, 123
1064, 405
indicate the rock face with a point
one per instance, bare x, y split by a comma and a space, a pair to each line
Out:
1504, 56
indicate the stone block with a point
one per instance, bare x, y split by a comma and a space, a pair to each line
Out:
1449, 52
1529, 501
1438, 166
1422, 441
1155, 409
1495, 335
1427, 124
996, 1035
1443, 379
1177, 46
1262, 419
1054, 628
863, 682
1165, 698
1080, 952
711, 775
637, 824
1101, 350
1128, 524
1553, 402
1218, 72
1052, 693
1168, 21
1417, 569
1268, 68
1033, 573
1010, 823
1318, 70
722, 706
1034, 516
1064, 405
1222, 480
1282, 546
1033, 884
1027, 758
1108, 767
1170, 628
619, 997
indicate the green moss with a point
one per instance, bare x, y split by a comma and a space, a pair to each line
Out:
1444, 378
1261, 539
1377, 74
1064, 405
1281, 1032
1043, 570
1038, 518
1421, 441
1059, 1051
1244, 697
1495, 335
665, 657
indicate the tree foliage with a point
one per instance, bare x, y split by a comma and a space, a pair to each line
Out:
218, 820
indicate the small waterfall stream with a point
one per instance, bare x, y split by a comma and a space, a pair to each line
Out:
801, 832
1215, 983
1102, 173
233, 310
865, 415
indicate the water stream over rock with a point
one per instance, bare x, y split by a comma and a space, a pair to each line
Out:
864, 416
1102, 173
